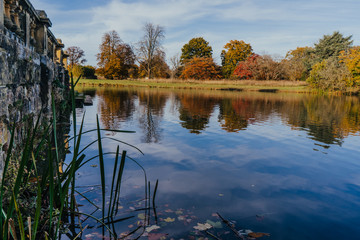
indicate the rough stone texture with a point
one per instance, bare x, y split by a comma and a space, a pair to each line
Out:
27, 80
1, 16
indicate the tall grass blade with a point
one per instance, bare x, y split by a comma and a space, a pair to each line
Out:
51, 186
37, 211
113, 179
101, 163
19, 177
4, 227
87, 199
20, 220
29, 226
118, 182
13, 229
153, 200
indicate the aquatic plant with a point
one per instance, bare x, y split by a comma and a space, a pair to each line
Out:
37, 191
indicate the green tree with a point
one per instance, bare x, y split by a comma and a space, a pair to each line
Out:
329, 75
115, 58
196, 47
235, 51
331, 46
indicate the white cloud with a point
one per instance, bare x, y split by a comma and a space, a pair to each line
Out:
269, 26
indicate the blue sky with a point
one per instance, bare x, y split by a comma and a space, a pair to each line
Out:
270, 26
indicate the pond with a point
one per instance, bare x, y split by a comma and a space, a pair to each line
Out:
277, 163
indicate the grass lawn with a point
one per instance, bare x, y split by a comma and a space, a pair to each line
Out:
245, 85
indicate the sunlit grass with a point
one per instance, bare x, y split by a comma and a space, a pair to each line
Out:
246, 85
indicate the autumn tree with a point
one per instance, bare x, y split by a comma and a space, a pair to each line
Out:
329, 75
247, 68
150, 47
115, 58
235, 51
76, 56
331, 46
196, 47
160, 69
259, 68
298, 62
351, 59
175, 66
268, 69
201, 68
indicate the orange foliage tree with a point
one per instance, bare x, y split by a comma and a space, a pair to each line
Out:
201, 68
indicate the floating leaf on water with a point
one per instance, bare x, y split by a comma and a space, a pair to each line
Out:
221, 195
258, 234
151, 228
169, 219
179, 212
94, 165
202, 227
169, 211
214, 224
141, 216
181, 218
157, 236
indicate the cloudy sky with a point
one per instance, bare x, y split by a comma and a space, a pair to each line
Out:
270, 26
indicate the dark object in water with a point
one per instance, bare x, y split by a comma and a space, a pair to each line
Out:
88, 100
269, 90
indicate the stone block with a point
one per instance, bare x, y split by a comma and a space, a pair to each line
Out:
2, 11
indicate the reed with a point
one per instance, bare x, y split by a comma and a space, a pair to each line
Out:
37, 173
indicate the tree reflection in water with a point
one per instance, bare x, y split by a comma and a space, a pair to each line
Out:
327, 119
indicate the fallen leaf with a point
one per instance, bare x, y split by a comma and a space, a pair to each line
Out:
178, 212
141, 216
169, 219
258, 235
93, 165
214, 224
157, 236
181, 218
202, 227
151, 228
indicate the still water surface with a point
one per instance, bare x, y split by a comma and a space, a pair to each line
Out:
284, 164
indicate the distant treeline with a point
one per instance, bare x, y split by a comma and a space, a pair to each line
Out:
332, 64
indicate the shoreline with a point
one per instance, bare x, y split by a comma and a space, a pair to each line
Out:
220, 85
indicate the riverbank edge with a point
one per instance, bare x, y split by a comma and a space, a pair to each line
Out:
223, 85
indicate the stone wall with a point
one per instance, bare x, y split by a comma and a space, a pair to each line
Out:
32, 67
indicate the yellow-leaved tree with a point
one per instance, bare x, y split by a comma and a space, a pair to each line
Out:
351, 58
235, 52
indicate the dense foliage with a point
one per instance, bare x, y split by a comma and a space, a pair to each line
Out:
115, 58
315, 64
235, 51
201, 68
196, 47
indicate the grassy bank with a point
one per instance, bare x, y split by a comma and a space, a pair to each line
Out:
244, 85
